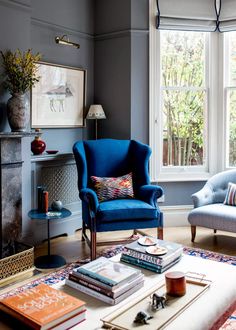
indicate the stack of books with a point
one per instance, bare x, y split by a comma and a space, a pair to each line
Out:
43, 307
153, 254
106, 280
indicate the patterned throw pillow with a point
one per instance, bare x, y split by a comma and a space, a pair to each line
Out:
113, 188
230, 198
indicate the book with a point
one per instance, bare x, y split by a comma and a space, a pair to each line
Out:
138, 251
107, 271
144, 264
42, 307
14, 323
106, 291
98, 283
100, 296
72, 321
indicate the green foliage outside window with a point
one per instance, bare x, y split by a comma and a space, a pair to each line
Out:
183, 97
232, 101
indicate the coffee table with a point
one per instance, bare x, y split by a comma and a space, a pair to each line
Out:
200, 315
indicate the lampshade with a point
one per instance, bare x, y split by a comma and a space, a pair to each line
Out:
96, 112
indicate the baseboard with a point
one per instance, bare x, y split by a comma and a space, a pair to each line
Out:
176, 215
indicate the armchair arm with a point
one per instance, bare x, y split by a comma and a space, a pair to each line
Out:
150, 194
203, 196
89, 196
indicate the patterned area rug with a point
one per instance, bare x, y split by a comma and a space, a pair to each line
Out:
226, 322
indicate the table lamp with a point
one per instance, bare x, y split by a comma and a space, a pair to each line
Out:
96, 112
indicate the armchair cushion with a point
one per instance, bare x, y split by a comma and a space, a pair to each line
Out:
216, 216
125, 209
230, 198
112, 188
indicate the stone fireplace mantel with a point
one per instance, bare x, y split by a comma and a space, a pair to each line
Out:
11, 161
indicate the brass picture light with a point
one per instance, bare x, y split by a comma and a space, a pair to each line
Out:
64, 40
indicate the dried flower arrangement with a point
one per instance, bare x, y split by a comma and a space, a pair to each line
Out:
20, 70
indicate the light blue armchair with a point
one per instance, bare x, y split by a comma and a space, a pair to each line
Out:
114, 158
209, 210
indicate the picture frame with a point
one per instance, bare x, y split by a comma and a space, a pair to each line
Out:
58, 99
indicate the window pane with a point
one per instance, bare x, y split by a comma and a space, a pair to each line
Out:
232, 58
183, 98
232, 128
182, 58
183, 127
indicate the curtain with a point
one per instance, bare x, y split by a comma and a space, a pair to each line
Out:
190, 15
227, 19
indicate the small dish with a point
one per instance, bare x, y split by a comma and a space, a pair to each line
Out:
53, 214
156, 250
147, 241
51, 152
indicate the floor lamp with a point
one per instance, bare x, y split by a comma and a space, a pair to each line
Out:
96, 112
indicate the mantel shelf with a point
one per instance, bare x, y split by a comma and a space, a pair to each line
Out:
8, 135
46, 157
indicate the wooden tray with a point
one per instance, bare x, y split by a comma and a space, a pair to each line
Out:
122, 319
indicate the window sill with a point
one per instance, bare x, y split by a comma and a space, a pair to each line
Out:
174, 177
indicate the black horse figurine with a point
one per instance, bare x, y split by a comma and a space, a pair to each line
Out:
158, 301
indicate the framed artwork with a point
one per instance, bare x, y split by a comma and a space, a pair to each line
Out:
58, 99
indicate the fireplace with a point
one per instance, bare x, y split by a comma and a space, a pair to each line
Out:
11, 190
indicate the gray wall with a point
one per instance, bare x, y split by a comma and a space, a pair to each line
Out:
122, 79
112, 66
121, 67
56, 17
34, 24
114, 39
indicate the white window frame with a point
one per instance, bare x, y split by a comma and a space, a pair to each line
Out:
214, 161
226, 88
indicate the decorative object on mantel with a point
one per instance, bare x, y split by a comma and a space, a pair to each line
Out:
51, 152
64, 40
96, 112
20, 75
37, 145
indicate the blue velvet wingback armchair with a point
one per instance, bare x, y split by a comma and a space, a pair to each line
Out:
114, 158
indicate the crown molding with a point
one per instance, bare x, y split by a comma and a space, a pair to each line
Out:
60, 28
16, 4
121, 34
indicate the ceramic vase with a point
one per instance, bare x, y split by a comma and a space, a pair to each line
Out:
38, 146
18, 112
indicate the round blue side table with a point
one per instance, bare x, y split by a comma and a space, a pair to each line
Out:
49, 260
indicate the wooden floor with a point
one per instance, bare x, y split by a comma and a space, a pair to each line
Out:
72, 249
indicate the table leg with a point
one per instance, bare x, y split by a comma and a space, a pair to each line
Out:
50, 260
49, 247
